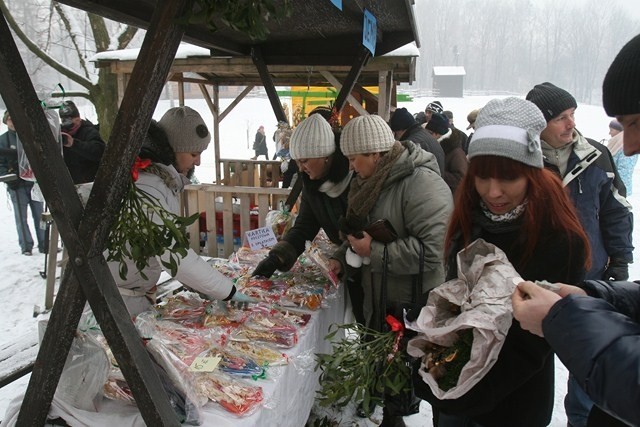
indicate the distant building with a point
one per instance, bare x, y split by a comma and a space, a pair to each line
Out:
448, 81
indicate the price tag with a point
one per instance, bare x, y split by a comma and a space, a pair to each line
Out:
205, 364
261, 238
369, 32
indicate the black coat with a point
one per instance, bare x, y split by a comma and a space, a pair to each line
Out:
317, 210
419, 135
83, 157
598, 340
519, 389
260, 144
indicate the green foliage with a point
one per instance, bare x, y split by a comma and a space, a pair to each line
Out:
246, 16
136, 236
461, 352
361, 367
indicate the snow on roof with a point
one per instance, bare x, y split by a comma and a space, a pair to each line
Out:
409, 49
449, 71
185, 50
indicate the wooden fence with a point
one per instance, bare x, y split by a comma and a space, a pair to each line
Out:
230, 211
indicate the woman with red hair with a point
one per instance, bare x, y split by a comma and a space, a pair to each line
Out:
508, 199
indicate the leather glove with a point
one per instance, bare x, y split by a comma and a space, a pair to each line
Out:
267, 266
617, 270
412, 312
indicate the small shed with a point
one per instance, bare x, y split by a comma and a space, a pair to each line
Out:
448, 81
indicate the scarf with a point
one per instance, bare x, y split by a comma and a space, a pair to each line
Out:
615, 144
510, 216
364, 193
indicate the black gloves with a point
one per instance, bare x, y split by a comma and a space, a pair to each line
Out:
267, 266
617, 270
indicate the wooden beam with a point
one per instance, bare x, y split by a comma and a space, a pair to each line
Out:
258, 60
216, 127
236, 101
352, 77
85, 233
354, 102
385, 91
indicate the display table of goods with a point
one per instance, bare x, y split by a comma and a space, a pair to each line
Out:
222, 363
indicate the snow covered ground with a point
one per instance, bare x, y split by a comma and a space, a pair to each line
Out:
23, 288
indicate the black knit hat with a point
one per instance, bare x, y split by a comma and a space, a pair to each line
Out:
401, 120
439, 123
551, 100
621, 86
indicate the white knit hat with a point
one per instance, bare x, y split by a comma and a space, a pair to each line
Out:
509, 127
366, 134
185, 130
312, 139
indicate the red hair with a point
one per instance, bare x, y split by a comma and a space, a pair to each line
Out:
548, 207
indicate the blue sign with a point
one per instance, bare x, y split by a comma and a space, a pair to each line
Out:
369, 32
337, 3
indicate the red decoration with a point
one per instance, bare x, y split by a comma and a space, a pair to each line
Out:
138, 165
395, 324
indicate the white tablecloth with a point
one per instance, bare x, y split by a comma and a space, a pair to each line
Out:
288, 395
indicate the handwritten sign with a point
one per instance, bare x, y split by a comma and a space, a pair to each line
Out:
205, 364
369, 32
260, 238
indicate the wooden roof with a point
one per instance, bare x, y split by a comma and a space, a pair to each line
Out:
241, 70
316, 33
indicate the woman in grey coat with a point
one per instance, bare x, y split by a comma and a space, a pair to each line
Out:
401, 183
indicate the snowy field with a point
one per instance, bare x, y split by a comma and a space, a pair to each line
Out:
22, 287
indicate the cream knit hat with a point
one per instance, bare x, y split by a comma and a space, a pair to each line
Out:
185, 130
312, 139
366, 134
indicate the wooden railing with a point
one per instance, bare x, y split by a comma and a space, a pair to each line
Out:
250, 173
233, 208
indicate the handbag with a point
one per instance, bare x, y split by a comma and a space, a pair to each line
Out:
382, 231
406, 402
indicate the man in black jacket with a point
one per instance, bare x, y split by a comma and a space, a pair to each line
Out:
20, 189
598, 338
405, 128
82, 144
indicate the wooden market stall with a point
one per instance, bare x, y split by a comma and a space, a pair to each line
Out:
315, 34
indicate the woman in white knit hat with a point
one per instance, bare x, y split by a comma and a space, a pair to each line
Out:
326, 178
510, 200
401, 183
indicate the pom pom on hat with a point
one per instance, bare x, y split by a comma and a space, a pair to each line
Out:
401, 120
185, 130
621, 85
551, 100
511, 128
439, 124
312, 139
366, 134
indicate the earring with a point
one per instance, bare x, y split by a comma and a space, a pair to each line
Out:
326, 160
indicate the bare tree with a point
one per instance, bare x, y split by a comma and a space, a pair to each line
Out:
63, 39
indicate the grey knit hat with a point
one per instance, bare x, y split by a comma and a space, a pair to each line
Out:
551, 99
366, 134
509, 127
185, 130
312, 139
